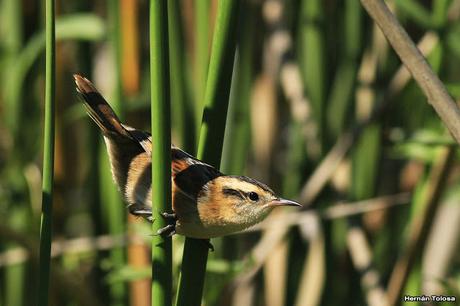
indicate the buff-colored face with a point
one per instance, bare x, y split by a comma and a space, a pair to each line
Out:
238, 202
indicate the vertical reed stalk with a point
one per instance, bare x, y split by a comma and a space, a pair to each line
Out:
238, 130
312, 52
130, 46
237, 133
14, 275
201, 53
113, 206
183, 113
344, 83
48, 158
211, 140
12, 20
116, 44
161, 151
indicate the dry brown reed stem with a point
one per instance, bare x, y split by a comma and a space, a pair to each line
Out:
275, 274
342, 210
130, 40
441, 249
327, 167
59, 248
402, 76
137, 253
421, 224
314, 271
361, 255
244, 294
454, 11
263, 122
261, 251
416, 63
138, 257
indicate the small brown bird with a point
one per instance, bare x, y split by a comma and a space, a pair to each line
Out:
205, 202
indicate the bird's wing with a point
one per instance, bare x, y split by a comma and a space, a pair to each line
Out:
190, 175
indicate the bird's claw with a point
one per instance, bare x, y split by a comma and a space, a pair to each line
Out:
141, 211
146, 212
167, 231
170, 229
169, 216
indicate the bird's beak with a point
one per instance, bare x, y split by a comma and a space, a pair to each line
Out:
282, 202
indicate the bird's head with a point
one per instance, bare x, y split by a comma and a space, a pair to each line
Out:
240, 201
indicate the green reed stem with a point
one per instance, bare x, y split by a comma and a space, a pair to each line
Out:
311, 57
48, 158
183, 116
342, 90
12, 20
211, 140
114, 34
161, 151
110, 197
238, 130
218, 84
201, 54
237, 138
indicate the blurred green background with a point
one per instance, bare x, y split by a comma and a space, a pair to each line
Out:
320, 109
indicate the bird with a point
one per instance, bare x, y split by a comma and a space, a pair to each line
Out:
205, 202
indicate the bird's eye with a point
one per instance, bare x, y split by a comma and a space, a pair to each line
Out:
253, 196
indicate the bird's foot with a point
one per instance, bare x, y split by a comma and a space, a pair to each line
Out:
141, 211
167, 231
169, 216
146, 212
170, 229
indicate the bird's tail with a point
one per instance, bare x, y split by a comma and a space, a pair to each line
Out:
98, 108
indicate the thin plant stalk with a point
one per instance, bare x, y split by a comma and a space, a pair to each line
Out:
13, 21
15, 274
218, 84
237, 133
201, 53
161, 152
12, 11
115, 36
237, 138
113, 206
311, 56
137, 255
182, 110
48, 158
130, 46
195, 255
345, 78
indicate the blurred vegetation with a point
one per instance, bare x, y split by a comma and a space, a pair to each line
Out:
314, 83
